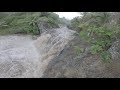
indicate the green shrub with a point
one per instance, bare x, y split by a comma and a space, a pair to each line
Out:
96, 49
98, 29
25, 22
78, 50
105, 56
99, 39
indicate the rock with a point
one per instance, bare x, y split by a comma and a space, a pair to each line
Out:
68, 65
45, 26
50, 44
115, 50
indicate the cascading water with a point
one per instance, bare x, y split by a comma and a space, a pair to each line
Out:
22, 57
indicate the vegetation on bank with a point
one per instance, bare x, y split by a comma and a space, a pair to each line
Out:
26, 22
99, 29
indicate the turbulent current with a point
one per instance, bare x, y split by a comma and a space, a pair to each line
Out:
23, 57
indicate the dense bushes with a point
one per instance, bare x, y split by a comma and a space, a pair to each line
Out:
100, 29
25, 22
74, 24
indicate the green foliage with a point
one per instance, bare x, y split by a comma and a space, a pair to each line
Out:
2, 15
84, 35
100, 29
74, 23
95, 49
53, 16
25, 22
105, 56
103, 31
64, 21
99, 38
78, 50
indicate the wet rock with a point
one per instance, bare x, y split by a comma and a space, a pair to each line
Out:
50, 44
